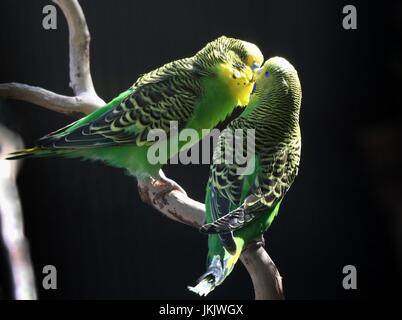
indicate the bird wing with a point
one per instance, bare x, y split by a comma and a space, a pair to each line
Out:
156, 99
225, 189
266, 190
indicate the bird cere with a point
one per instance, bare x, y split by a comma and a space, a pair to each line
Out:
167, 111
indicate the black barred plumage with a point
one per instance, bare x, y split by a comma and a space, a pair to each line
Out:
195, 93
168, 93
239, 207
165, 94
275, 119
212, 55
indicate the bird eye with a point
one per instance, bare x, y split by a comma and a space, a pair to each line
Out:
267, 74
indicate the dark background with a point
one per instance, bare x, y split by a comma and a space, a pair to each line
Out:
344, 208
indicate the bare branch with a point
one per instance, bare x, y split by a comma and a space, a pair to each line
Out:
85, 100
175, 205
265, 276
48, 99
12, 226
79, 39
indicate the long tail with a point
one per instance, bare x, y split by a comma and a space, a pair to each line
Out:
28, 153
56, 144
210, 279
219, 267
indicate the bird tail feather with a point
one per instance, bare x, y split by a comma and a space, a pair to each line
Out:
28, 153
210, 279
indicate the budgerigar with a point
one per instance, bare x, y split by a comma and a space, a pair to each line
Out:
240, 208
197, 92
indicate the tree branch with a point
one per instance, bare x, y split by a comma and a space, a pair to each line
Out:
48, 99
175, 204
11, 221
79, 39
85, 100
265, 276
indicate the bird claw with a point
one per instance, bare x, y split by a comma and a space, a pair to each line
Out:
166, 186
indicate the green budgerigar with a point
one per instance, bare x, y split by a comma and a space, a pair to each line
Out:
240, 208
196, 92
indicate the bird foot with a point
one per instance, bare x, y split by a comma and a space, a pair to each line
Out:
165, 186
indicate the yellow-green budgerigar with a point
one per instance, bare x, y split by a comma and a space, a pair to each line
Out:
197, 92
240, 208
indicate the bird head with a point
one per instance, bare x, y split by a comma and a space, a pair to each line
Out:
277, 88
236, 62
276, 72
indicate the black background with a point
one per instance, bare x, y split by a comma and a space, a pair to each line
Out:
87, 219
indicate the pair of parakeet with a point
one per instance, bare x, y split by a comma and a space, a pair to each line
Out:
198, 93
